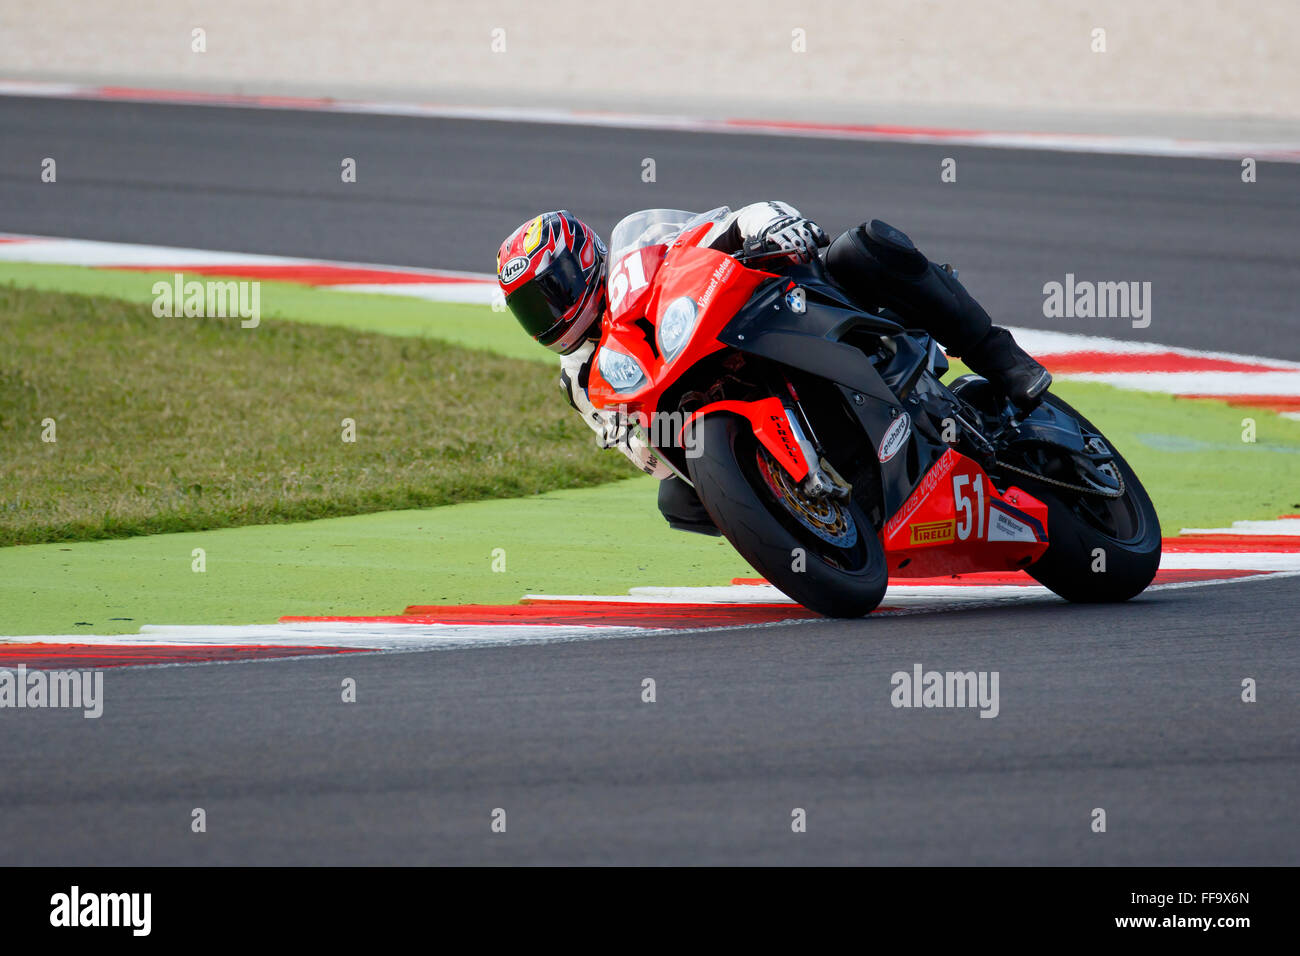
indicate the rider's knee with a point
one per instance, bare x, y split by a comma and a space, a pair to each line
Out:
872, 257
879, 266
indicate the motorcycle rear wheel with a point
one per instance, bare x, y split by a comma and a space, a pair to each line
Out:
1100, 550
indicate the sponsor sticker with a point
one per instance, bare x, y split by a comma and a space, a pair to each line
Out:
1003, 527
895, 437
513, 269
790, 448
719, 276
936, 474
796, 301
933, 532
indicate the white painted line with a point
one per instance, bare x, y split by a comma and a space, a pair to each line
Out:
1058, 142
925, 599
1047, 342
89, 252
1198, 383
481, 288
931, 595
52, 250
720, 594
1243, 561
474, 293
344, 634
1290, 526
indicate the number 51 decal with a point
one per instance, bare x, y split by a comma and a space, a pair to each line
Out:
627, 276
971, 518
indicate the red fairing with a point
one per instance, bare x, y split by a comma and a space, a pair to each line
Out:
771, 423
955, 522
644, 283
630, 281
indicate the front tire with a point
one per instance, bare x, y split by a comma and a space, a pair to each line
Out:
832, 563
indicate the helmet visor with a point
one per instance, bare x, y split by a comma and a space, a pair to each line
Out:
540, 305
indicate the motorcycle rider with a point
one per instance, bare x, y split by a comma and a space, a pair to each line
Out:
552, 272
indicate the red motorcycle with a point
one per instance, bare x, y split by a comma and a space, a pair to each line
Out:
824, 445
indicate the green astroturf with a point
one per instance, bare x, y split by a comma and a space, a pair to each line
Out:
1190, 455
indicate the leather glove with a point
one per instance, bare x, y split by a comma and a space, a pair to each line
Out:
800, 238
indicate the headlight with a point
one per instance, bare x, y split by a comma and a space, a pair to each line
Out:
619, 369
675, 325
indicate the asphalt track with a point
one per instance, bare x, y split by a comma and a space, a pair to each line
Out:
1219, 253
1135, 709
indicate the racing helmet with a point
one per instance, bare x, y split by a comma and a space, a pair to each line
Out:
552, 273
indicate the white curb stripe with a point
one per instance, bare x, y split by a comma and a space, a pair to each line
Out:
1045, 342
481, 288
1289, 526
1198, 383
901, 600
483, 292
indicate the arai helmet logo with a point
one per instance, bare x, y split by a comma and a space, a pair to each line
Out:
894, 438
514, 269
795, 301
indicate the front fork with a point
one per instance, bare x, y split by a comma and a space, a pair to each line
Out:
783, 429
822, 480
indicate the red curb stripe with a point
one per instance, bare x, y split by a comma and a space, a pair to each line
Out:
1236, 543
189, 96
1177, 575
1075, 363
1021, 579
310, 274
1277, 403
588, 613
856, 129
65, 656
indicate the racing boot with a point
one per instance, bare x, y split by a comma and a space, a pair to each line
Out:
880, 267
682, 508
1009, 368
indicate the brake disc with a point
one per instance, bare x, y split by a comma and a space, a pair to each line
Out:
824, 516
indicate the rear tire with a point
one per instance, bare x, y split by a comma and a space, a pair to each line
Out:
836, 581
1132, 557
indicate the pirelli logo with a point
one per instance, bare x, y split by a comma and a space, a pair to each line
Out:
932, 532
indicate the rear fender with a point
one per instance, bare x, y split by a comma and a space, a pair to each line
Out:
772, 426
1050, 426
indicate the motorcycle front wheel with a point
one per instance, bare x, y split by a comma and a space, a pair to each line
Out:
822, 552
